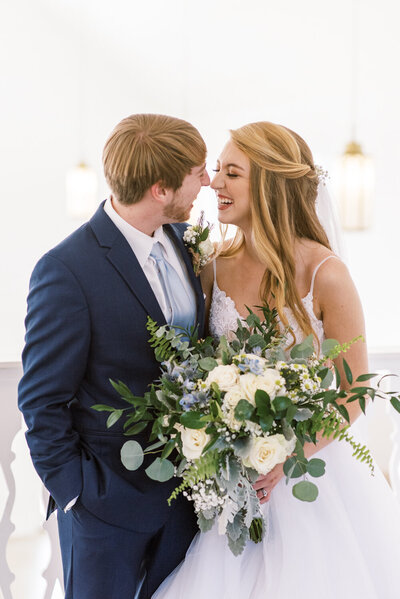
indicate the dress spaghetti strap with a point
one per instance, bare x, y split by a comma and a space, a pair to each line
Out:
315, 272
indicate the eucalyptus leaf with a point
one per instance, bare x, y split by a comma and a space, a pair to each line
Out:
256, 341
305, 349
253, 320
295, 467
328, 379
281, 403
316, 467
132, 455
243, 410
328, 345
305, 491
160, 470
208, 364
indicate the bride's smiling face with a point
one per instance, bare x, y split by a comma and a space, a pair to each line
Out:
232, 186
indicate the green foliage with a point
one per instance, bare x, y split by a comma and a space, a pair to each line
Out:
304, 349
160, 470
395, 403
256, 530
194, 420
305, 491
295, 467
244, 410
316, 467
360, 452
132, 455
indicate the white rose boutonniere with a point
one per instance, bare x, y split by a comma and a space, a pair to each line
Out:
200, 246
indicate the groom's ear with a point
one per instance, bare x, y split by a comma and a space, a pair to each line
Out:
160, 192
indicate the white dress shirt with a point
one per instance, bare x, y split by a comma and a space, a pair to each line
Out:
142, 245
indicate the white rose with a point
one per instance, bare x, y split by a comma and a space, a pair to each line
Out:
267, 452
271, 381
232, 397
206, 247
226, 376
249, 384
193, 442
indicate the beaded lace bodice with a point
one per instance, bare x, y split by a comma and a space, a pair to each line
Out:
224, 315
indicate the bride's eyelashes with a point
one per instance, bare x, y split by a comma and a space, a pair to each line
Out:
231, 175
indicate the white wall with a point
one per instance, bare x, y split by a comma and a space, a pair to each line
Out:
218, 63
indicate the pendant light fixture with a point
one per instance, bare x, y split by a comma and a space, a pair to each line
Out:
356, 175
81, 180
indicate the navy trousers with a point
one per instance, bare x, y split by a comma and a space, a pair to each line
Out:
102, 561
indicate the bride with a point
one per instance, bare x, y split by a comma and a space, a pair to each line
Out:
347, 543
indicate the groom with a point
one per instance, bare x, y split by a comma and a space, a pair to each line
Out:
88, 304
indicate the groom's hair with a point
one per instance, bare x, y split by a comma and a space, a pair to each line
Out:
144, 149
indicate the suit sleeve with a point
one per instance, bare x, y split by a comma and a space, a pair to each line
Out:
54, 361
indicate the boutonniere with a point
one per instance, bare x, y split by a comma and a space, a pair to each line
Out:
196, 238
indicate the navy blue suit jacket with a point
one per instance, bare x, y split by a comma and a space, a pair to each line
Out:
86, 323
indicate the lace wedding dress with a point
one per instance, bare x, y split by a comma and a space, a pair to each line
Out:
344, 545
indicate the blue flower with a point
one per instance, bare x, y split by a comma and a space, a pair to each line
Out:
190, 399
187, 401
253, 365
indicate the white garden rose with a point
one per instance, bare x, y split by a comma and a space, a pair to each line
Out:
232, 397
267, 452
226, 376
271, 381
206, 247
193, 442
249, 384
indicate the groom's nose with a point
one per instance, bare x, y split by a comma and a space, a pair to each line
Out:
205, 179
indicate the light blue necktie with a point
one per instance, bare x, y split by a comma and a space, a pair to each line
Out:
181, 311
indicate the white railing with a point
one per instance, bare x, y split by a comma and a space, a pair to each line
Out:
35, 571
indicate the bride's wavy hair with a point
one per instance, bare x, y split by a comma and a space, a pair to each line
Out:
283, 189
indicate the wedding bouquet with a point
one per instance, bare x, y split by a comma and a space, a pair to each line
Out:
223, 413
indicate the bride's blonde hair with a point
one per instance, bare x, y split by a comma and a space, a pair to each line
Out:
283, 191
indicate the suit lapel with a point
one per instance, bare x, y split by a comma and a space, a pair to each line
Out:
123, 259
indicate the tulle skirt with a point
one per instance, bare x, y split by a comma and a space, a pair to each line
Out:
345, 544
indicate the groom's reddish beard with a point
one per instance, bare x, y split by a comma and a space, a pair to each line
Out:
176, 212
